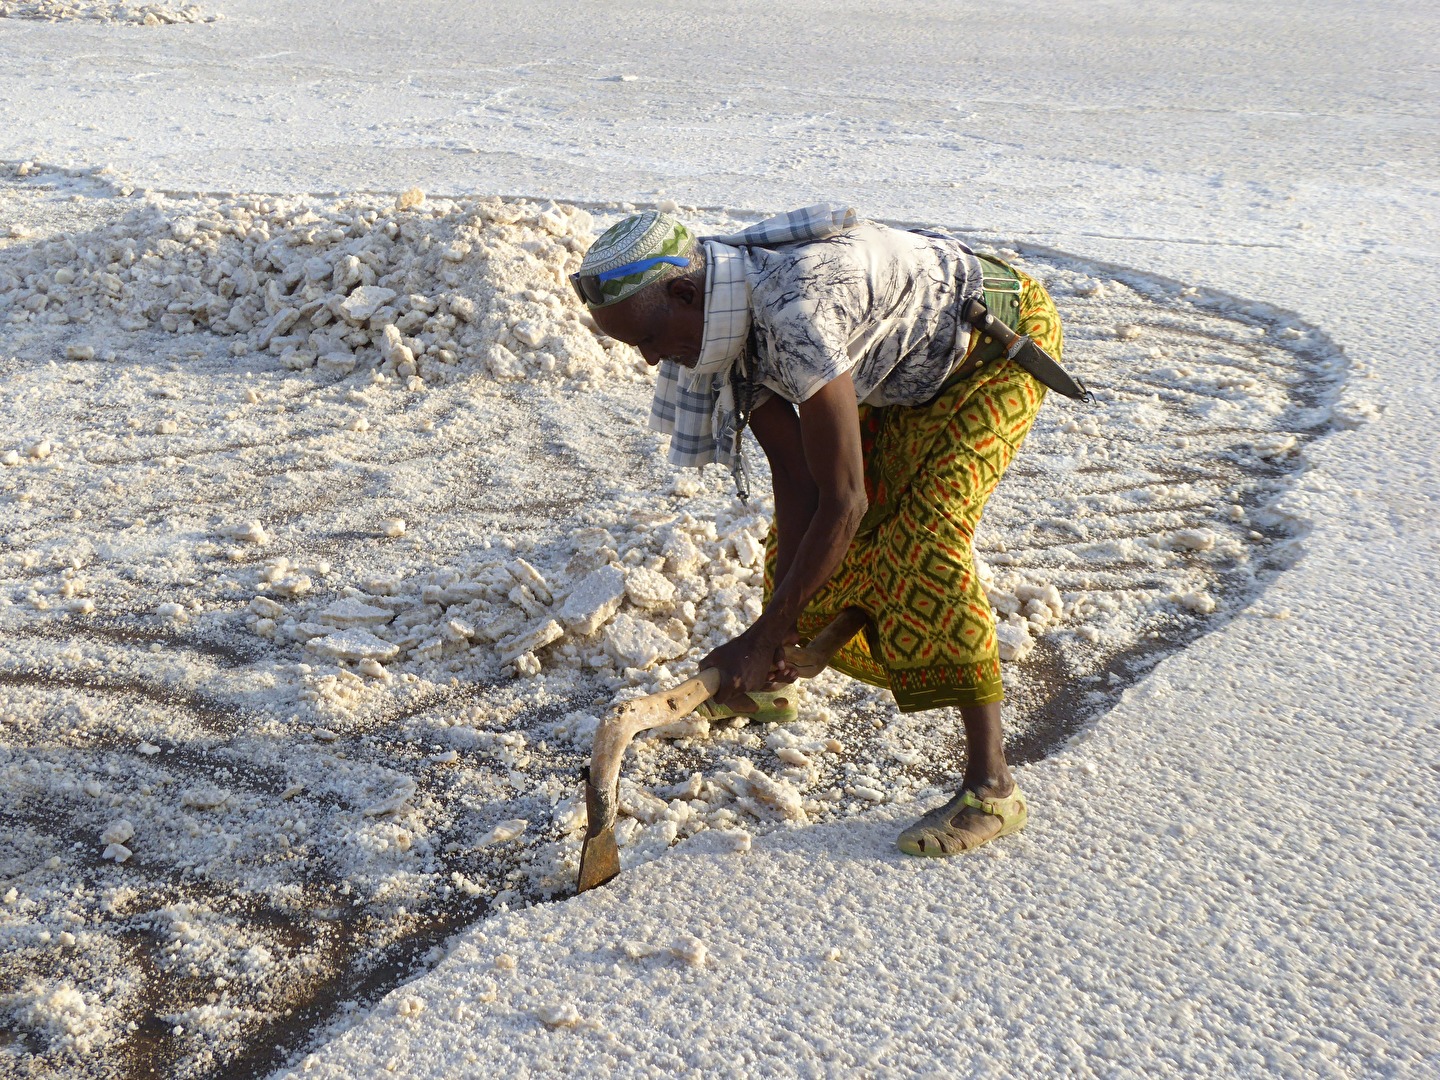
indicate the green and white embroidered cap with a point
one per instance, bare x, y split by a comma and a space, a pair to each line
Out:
639, 238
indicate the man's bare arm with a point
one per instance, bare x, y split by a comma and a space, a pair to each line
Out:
830, 435
777, 428
829, 443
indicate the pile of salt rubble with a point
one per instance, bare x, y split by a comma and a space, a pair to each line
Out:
625, 605
418, 290
107, 11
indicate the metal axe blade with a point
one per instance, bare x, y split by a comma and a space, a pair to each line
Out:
599, 854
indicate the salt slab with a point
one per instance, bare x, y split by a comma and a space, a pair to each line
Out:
648, 589
546, 633
354, 644
595, 598
365, 301
351, 612
635, 643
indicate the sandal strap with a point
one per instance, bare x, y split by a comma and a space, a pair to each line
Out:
1001, 807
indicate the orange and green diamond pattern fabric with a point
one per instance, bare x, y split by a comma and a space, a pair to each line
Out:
929, 471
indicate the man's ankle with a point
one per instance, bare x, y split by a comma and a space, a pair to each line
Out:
994, 785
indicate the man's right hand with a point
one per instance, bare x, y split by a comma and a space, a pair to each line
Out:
752, 661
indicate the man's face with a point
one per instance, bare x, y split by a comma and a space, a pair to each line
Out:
668, 326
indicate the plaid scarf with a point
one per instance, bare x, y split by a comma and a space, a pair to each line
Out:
704, 409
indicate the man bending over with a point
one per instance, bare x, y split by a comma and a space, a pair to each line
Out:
887, 423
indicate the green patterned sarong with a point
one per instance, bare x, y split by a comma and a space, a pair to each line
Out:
929, 470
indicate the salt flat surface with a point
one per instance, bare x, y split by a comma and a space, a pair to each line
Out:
310, 735
1231, 872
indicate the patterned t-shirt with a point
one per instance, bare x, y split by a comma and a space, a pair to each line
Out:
877, 302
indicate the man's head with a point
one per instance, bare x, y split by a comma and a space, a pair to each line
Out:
648, 275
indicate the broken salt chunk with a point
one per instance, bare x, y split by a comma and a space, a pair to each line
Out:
546, 633
364, 301
392, 527
530, 578
691, 950
252, 532
1014, 640
371, 667
737, 840
117, 832
1193, 539
1198, 601
350, 612
395, 802
409, 199
638, 950
558, 1016
504, 832
204, 798
635, 643
410, 1006
119, 852
648, 589
266, 608
148, 749
354, 644
748, 550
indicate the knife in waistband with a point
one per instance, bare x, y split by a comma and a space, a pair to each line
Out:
1022, 349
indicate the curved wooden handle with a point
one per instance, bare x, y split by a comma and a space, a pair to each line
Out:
809, 660
632, 717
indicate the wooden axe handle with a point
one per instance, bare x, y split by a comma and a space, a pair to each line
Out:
640, 714
630, 718
809, 660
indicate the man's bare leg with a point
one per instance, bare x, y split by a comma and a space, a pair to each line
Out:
986, 772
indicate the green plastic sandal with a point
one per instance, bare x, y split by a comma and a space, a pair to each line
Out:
944, 831
775, 707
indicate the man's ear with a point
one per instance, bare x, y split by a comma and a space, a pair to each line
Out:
684, 290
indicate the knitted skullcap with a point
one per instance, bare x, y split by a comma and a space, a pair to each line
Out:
646, 235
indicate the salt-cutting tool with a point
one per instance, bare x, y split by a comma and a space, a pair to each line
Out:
600, 854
